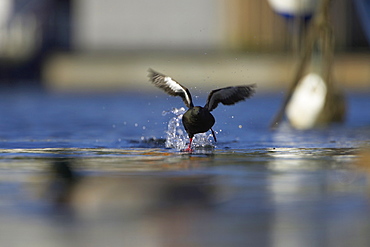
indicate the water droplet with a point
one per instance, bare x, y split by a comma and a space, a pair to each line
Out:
136, 124
177, 137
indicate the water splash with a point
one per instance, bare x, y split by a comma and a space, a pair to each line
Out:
177, 137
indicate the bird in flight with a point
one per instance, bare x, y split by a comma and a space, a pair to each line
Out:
198, 119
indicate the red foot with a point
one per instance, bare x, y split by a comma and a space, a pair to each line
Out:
189, 149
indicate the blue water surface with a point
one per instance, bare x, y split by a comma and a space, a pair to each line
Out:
32, 119
93, 170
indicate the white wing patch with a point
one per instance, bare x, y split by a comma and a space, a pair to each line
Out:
173, 84
176, 87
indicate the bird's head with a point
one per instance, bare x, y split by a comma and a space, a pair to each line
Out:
196, 110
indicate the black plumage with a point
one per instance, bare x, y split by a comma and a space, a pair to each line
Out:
199, 119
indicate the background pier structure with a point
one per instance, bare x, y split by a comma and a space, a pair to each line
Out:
313, 98
67, 45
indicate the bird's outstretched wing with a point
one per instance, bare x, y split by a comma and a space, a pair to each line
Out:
171, 87
229, 95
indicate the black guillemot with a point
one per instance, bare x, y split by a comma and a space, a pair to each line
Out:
199, 119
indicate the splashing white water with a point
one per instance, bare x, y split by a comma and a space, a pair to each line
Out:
177, 137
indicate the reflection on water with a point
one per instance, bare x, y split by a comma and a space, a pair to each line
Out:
88, 172
158, 197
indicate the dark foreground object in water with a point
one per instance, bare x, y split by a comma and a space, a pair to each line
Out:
199, 119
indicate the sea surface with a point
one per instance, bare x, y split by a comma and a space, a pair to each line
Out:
107, 170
